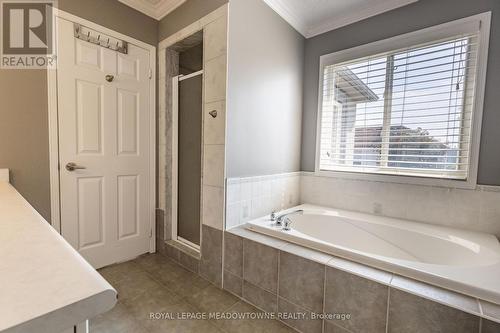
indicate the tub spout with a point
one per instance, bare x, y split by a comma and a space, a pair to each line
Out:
281, 218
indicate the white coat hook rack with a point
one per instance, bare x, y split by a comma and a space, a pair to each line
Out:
95, 37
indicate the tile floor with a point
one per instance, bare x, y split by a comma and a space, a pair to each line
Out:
154, 284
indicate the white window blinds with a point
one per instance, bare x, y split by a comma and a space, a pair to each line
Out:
407, 112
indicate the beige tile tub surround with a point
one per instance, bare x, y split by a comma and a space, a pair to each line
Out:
252, 197
275, 275
364, 299
409, 313
477, 210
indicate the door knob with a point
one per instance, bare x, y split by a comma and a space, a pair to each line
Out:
110, 78
73, 166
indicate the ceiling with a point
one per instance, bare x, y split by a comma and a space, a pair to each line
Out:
155, 8
309, 17
314, 17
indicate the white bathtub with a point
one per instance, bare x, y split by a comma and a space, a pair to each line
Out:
462, 261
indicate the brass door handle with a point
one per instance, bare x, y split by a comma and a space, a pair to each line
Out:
73, 166
109, 78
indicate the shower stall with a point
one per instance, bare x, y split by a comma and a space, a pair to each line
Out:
187, 120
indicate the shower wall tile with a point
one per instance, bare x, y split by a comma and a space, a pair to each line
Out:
253, 197
213, 207
213, 165
160, 224
189, 262
214, 26
215, 38
214, 129
215, 79
172, 252
211, 255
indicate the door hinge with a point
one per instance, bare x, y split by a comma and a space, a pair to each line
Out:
150, 233
150, 73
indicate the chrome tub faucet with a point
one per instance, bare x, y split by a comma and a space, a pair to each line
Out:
283, 218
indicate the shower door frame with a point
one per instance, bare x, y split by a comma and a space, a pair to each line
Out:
175, 160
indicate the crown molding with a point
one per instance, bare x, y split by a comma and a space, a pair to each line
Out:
158, 11
282, 8
360, 14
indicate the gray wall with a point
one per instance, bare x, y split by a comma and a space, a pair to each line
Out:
187, 13
421, 14
264, 97
24, 135
114, 15
24, 143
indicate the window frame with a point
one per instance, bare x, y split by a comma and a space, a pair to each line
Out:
479, 24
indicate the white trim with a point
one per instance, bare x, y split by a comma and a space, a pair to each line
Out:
481, 23
53, 127
158, 11
282, 7
152, 147
175, 152
55, 208
358, 15
188, 76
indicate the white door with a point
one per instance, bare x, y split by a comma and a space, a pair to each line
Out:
104, 127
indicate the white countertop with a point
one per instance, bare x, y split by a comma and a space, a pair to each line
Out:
45, 285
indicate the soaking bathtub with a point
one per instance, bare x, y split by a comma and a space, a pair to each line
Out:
463, 261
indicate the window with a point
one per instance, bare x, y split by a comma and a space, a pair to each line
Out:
408, 111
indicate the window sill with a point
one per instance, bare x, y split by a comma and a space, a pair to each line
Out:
401, 179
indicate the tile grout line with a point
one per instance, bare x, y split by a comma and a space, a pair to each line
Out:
387, 311
323, 328
278, 282
480, 318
